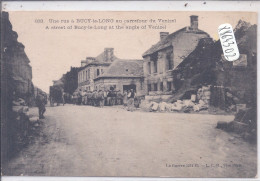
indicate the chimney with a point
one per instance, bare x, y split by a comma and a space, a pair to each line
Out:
108, 54
83, 63
163, 35
194, 23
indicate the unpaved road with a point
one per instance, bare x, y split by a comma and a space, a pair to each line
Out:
90, 141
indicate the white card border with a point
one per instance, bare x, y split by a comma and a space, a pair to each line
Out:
252, 6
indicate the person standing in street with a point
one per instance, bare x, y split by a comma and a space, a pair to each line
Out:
63, 97
40, 103
105, 97
84, 97
79, 102
130, 103
95, 98
101, 98
109, 98
75, 98
113, 97
125, 98
119, 98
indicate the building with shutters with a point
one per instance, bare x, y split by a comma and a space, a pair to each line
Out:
93, 67
161, 59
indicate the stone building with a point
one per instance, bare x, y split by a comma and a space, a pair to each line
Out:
163, 57
122, 75
16, 82
22, 73
16, 62
93, 67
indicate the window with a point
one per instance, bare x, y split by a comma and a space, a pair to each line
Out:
161, 86
169, 62
102, 71
149, 67
160, 67
154, 60
169, 86
155, 66
98, 72
149, 87
86, 75
155, 87
82, 76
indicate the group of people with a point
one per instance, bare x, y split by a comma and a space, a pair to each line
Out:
96, 98
106, 98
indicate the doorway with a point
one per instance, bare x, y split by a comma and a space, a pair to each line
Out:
128, 87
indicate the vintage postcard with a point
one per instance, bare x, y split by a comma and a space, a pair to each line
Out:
129, 94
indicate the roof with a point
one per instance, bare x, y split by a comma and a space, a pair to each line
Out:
57, 82
101, 57
97, 63
167, 41
99, 60
122, 68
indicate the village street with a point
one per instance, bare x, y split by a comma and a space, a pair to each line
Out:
110, 141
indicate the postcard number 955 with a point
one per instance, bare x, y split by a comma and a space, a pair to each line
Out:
228, 42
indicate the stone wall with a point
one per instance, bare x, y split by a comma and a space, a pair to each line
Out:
184, 44
240, 81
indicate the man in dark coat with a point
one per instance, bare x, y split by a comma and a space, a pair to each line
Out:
101, 98
40, 103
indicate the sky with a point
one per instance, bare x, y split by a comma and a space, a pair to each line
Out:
53, 51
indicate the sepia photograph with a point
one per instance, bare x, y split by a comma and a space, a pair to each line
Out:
129, 94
